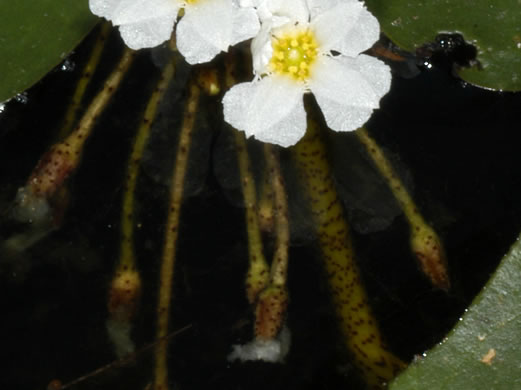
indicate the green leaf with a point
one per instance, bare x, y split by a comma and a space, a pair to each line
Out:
483, 350
494, 27
35, 36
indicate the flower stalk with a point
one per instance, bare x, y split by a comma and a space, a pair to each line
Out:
266, 212
171, 236
359, 327
125, 289
43, 200
257, 276
424, 241
63, 158
85, 78
273, 300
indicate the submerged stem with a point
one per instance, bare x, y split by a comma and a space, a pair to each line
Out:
358, 325
425, 242
85, 78
273, 300
63, 158
171, 235
134, 162
279, 265
257, 276
266, 208
43, 200
125, 289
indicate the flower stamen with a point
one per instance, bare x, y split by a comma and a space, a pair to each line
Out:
294, 54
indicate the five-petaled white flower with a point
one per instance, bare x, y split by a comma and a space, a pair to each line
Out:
317, 52
207, 27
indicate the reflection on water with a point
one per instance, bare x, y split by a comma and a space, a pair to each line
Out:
454, 148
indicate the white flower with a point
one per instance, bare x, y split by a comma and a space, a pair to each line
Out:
319, 53
207, 27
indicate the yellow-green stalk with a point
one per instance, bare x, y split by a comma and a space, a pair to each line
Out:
257, 276
125, 288
62, 158
35, 202
358, 325
266, 208
424, 241
85, 78
171, 235
273, 300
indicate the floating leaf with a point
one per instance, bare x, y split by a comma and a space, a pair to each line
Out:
493, 27
482, 351
37, 35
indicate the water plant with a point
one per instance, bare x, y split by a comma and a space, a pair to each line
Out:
148, 243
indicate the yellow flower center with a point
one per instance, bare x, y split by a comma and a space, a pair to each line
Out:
294, 54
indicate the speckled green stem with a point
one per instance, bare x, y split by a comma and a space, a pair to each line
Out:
85, 78
126, 284
63, 158
171, 235
272, 303
424, 241
358, 325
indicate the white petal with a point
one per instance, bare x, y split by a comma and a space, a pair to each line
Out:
348, 28
317, 7
143, 23
147, 33
270, 109
205, 30
137, 11
236, 102
104, 8
291, 10
349, 89
245, 24
261, 49
289, 130
248, 3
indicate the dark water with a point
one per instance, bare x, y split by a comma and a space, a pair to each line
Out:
455, 147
